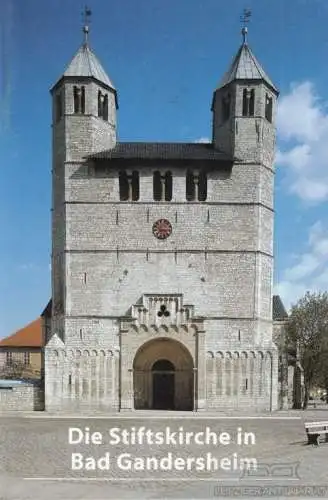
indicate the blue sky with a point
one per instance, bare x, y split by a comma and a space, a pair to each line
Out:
165, 59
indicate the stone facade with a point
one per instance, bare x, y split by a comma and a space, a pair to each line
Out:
179, 322
20, 397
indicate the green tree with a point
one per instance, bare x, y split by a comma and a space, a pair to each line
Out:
308, 330
321, 377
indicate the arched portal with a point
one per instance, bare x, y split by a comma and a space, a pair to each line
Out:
163, 376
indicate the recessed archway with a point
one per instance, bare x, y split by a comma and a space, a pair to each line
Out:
163, 376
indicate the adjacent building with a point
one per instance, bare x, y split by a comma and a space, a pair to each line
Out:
21, 353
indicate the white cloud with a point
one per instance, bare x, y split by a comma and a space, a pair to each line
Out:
203, 140
302, 121
310, 271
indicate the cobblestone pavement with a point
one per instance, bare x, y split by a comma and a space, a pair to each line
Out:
36, 458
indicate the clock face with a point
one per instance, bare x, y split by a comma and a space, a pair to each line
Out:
162, 229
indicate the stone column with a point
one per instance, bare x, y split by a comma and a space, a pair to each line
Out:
130, 187
162, 188
201, 370
127, 389
196, 181
126, 372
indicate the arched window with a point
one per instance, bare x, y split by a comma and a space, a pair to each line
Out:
79, 99
226, 101
99, 104
157, 186
196, 186
248, 102
202, 186
162, 186
135, 186
268, 108
129, 186
83, 100
168, 186
105, 112
59, 106
102, 105
190, 186
76, 93
124, 186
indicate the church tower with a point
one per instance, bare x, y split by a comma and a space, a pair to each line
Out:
84, 105
244, 109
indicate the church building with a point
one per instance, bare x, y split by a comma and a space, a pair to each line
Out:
162, 253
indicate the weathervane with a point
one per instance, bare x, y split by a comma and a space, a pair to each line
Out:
244, 19
86, 21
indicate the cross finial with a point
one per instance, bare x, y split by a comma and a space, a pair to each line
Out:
244, 21
86, 21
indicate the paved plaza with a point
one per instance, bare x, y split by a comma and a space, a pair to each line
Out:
36, 457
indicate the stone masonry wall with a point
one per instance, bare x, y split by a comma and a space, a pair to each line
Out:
21, 398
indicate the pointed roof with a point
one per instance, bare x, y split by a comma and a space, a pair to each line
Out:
86, 64
245, 66
279, 312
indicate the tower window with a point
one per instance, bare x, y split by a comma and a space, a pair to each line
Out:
83, 100
157, 186
168, 186
190, 186
59, 106
162, 186
99, 104
226, 101
268, 108
129, 186
124, 186
135, 186
103, 106
202, 187
196, 186
248, 102
105, 113
79, 99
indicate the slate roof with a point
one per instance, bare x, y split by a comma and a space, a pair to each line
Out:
162, 151
86, 64
245, 66
47, 310
278, 309
29, 336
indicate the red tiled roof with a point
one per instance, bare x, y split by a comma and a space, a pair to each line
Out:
29, 336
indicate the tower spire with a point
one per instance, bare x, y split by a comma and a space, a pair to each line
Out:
244, 18
86, 21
